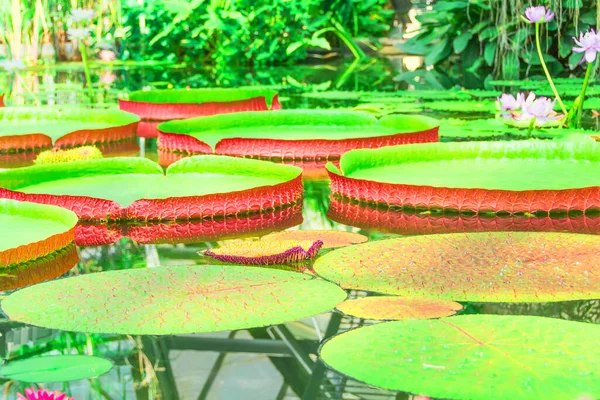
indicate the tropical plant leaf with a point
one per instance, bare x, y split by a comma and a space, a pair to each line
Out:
265, 252
491, 267
173, 300
473, 357
62, 368
398, 308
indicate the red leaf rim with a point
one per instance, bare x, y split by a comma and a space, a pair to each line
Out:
40, 269
168, 111
2, 100
190, 232
277, 150
405, 223
291, 256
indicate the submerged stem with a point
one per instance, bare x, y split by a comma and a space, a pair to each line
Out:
550, 81
586, 81
86, 68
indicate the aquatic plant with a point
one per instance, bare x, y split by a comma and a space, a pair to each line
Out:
330, 239
173, 300
398, 308
42, 394
55, 368
473, 357
265, 252
55, 156
490, 267
538, 14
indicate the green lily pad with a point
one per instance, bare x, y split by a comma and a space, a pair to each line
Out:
132, 182
473, 357
173, 300
63, 368
220, 132
466, 106
35, 128
486, 267
30, 230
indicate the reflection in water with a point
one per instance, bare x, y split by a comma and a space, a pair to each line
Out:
89, 234
410, 223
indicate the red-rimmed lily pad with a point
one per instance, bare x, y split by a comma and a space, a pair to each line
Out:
137, 189
398, 308
30, 231
513, 177
473, 357
293, 135
173, 300
330, 239
486, 267
423, 223
205, 230
265, 252
36, 129
59, 368
165, 105
41, 269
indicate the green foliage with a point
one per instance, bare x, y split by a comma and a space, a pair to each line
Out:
62, 368
244, 31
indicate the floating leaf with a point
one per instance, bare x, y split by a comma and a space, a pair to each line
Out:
398, 308
513, 177
61, 368
330, 239
60, 156
473, 357
265, 252
492, 267
173, 300
137, 189
30, 231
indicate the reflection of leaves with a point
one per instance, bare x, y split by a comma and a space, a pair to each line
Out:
473, 357
171, 300
494, 267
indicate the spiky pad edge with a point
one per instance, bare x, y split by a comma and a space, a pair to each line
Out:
464, 200
169, 111
404, 223
289, 150
291, 256
255, 200
32, 251
84, 137
190, 232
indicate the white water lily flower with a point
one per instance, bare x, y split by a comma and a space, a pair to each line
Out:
82, 14
78, 34
12, 65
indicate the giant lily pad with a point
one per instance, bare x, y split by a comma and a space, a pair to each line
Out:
488, 267
165, 105
36, 129
173, 300
398, 308
330, 239
137, 189
513, 177
473, 357
61, 368
293, 135
30, 231
421, 223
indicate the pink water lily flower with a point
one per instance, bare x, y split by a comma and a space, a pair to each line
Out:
538, 14
41, 394
107, 55
589, 43
509, 102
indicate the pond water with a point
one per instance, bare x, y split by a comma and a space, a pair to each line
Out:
276, 362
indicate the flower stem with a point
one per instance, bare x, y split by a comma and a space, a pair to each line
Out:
550, 81
586, 81
86, 68
530, 129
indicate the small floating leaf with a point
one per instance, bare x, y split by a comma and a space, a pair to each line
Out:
61, 368
330, 239
398, 308
266, 252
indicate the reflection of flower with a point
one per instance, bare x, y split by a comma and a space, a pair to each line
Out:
538, 14
525, 109
78, 34
82, 14
107, 55
12, 65
589, 43
41, 394
107, 78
